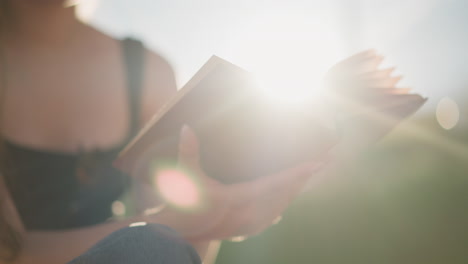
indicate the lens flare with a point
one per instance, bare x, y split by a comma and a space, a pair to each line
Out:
118, 208
178, 188
447, 113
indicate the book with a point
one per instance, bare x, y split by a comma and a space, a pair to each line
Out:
366, 100
243, 136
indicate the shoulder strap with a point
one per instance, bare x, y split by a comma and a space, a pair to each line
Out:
133, 52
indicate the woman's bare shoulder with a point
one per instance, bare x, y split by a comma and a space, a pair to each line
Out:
159, 83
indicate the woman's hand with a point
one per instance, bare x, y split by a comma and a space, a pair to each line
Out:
241, 209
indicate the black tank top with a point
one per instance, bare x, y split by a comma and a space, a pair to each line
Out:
55, 190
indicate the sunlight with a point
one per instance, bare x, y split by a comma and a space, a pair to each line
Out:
289, 52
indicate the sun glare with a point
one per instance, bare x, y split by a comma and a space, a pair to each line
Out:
289, 53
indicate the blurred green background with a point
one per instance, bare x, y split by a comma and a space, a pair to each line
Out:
405, 200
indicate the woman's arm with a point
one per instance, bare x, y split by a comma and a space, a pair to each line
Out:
62, 246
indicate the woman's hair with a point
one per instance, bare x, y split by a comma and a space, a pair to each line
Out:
10, 240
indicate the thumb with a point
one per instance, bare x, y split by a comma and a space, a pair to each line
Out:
188, 148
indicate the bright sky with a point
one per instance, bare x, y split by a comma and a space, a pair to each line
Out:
425, 39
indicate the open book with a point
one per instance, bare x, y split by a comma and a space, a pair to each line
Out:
242, 135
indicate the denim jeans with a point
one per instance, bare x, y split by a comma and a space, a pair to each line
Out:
152, 243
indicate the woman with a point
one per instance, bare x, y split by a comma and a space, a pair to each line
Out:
71, 98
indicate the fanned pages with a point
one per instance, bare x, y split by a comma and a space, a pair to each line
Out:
367, 102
